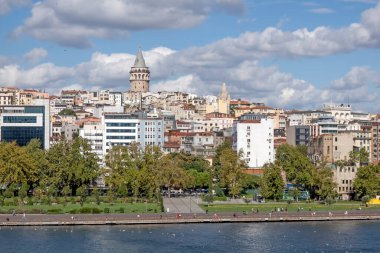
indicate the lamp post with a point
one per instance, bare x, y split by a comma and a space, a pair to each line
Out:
190, 204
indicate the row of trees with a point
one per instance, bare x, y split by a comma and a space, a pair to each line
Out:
71, 168
66, 167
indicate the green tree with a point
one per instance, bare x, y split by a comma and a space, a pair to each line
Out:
297, 166
361, 156
71, 163
272, 186
172, 175
231, 171
367, 181
67, 112
17, 166
323, 183
23, 192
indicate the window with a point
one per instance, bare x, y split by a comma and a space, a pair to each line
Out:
20, 119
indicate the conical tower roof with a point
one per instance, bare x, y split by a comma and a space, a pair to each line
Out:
139, 62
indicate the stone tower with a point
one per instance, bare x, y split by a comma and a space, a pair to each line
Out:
139, 75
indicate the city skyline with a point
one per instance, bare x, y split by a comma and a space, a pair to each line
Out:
291, 54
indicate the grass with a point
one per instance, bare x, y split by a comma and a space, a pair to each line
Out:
119, 206
293, 207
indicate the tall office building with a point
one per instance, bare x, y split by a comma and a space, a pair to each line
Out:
24, 123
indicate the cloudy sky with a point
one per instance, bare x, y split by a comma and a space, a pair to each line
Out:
291, 54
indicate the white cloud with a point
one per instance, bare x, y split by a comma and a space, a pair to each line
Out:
42, 76
7, 5
186, 83
73, 22
322, 10
35, 55
357, 77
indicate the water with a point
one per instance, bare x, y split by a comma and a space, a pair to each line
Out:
350, 236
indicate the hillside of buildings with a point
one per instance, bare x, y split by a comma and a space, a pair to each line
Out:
334, 135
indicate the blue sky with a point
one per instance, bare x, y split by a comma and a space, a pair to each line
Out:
291, 54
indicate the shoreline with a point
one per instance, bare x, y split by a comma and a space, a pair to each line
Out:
170, 218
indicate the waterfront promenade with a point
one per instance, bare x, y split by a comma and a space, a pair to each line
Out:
180, 218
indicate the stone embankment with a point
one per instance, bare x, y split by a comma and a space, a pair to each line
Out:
178, 218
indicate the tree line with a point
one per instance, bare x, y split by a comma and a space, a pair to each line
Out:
70, 168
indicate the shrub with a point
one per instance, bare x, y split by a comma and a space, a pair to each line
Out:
96, 210
121, 210
54, 210
106, 210
85, 210
29, 201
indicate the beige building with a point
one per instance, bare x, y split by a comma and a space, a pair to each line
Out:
344, 177
331, 147
375, 142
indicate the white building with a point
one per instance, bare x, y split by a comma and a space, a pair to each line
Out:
123, 129
151, 132
115, 98
119, 129
93, 132
255, 139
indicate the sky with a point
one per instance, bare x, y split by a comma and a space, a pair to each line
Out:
289, 54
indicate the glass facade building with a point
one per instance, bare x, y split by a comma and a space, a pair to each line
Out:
24, 123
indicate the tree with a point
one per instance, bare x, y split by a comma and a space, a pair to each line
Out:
367, 181
23, 191
151, 166
231, 171
17, 166
172, 175
297, 166
68, 112
361, 156
323, 183
251, 181
71, 163
272, 186
34, 149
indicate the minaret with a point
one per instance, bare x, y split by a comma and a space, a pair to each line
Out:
139, 74
223, 100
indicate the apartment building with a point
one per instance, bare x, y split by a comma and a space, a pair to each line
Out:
255, 138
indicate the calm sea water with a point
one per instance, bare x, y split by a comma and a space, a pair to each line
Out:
363, 236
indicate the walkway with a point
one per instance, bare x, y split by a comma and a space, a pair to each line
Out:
182, 205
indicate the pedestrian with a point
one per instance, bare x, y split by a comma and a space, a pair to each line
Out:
14, 212
23, 215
